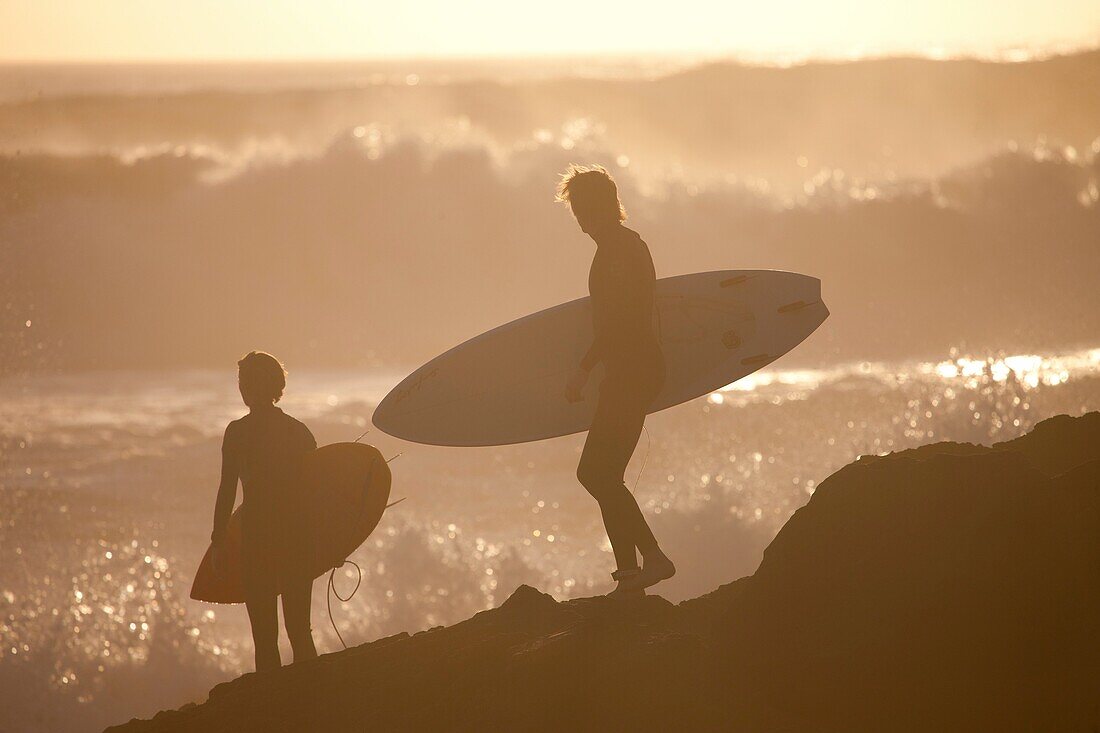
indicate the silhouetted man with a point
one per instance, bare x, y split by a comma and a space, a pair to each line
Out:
265, 449
621, 282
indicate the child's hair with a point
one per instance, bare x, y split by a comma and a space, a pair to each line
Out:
261, 376
590, 191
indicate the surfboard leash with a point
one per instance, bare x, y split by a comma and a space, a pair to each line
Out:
358, 581
333, 592
645, 458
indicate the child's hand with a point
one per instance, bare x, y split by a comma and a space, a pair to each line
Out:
218, 557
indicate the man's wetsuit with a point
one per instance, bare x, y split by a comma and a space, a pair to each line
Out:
622, 283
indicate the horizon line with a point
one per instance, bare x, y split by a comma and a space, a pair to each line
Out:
1009, 53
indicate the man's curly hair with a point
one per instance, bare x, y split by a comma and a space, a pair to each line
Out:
591, 193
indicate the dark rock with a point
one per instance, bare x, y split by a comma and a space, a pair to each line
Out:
1060, 443
927, 588
526, 599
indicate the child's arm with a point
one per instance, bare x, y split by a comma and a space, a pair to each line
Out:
227, 490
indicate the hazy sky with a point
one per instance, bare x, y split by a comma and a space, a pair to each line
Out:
60, 30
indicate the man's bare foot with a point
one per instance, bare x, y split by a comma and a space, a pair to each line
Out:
654, 570
629, 584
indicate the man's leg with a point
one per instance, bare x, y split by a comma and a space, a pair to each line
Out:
607, 450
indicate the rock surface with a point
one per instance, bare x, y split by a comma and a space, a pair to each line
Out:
949, 587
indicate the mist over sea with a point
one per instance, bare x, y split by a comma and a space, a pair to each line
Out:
156, 223
374, 224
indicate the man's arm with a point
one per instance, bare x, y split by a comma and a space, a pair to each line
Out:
574, 387
593, 356
227, 489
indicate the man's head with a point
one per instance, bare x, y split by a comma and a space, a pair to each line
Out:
591, 193
261, 379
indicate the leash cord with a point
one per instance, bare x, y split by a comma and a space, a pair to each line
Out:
645, 458
358, 570
333, 592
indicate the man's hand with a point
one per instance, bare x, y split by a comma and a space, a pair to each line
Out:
574, 388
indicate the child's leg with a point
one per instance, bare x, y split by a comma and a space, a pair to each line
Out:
296, 607
263, 613
261, 598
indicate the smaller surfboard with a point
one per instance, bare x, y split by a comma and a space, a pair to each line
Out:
348, 485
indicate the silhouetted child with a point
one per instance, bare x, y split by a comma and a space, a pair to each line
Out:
265, 450
622, 284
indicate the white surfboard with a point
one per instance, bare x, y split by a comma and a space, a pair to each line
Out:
508, 384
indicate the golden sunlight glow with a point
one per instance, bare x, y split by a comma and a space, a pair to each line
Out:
132, 30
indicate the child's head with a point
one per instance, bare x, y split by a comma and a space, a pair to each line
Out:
261, 379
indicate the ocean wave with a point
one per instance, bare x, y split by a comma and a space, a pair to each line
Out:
378, 250
906, 117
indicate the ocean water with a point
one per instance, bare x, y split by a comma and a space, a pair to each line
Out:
108, 481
